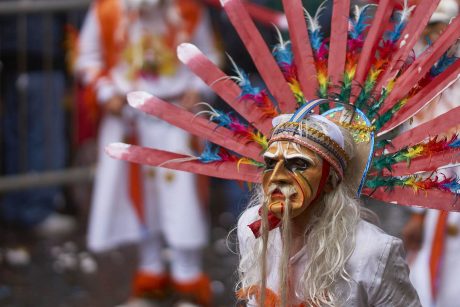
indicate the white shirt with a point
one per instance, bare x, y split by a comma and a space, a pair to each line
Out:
379, 272
161, 75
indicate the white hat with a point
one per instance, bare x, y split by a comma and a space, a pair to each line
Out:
446, 10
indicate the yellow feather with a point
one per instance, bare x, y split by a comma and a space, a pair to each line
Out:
260, 139
414, 152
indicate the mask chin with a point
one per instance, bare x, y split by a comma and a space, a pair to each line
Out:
292, 198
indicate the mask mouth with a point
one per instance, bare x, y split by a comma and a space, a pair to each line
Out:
281, 193
277, 194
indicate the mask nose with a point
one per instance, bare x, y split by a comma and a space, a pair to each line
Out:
280, 174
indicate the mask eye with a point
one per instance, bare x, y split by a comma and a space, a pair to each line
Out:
297, 164
270, 163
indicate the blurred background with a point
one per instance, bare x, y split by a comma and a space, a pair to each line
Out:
48, 157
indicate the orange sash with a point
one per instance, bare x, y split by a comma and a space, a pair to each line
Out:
437, 251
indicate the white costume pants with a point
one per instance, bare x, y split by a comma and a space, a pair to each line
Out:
172, 209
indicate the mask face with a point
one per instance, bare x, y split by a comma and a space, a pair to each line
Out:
291, 172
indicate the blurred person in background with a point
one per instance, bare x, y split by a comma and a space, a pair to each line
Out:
124, 46
432, 236
32, 119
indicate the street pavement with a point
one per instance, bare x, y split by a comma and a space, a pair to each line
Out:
40, 271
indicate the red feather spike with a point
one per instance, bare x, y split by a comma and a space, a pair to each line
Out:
338, 39
301, 48
408, 39
423, 97
228, 90
431, 199
422, 65
155, 157
198, 126
260, 54
371, 43
438, 125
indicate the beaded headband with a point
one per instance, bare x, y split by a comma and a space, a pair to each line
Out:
304, 134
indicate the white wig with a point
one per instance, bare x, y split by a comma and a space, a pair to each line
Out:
330, 240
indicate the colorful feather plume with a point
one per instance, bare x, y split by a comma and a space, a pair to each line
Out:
386, 96
357, 25
320, 49
215, 153
231, 122
285, 59
440, 66
253, 93
425, 149
417, 183
383, 55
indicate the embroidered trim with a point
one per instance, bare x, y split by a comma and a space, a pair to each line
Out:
323, 139
325, 155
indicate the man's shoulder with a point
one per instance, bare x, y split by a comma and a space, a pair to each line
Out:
247, 217
372, 246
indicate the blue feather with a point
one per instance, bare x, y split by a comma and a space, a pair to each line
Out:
394, 35
453, 186
443, 63
283, 53
221, 119
455, 144
245, 84
316, 39
359, 26
210, 153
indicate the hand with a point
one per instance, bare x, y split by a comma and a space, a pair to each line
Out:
115, 105
412, 232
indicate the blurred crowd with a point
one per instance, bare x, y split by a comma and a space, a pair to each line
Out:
64, 77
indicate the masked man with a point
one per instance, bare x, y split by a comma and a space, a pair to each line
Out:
130, 45
322, 253
304, 240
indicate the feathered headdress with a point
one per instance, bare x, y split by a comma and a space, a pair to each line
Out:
372, 84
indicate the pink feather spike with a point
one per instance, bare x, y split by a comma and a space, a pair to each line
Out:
261, 14
431, 199
155, 157
338, 45
198, 126
436, 126
423, 64
221, 84
424, 96
377, 28
260, 54
409, 37
303, 54
426, 164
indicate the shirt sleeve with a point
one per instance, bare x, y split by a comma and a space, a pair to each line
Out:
245, 236
90, 59
395, 288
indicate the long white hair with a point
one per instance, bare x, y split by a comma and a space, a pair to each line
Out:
330, 242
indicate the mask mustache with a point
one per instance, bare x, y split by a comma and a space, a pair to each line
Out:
286, 190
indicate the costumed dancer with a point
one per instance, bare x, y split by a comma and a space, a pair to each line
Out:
130, 45
432, 236
333, 103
